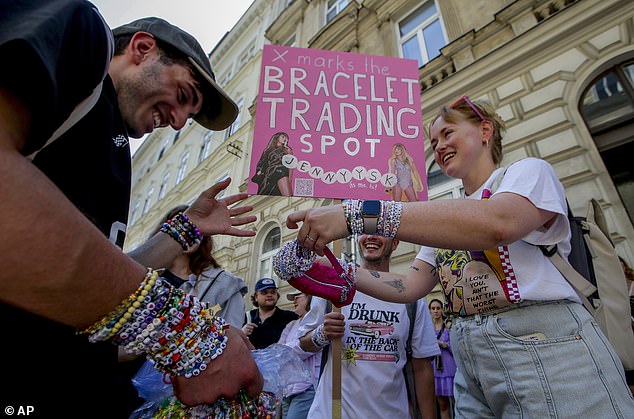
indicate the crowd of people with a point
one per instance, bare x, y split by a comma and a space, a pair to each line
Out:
519, 342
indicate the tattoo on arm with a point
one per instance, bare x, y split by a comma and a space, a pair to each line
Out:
375, 274
396, 283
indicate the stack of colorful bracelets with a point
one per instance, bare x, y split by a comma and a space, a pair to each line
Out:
292, 260
388, 219
181, 229
243, 407
174, 329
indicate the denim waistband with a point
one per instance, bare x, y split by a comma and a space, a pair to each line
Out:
521, 304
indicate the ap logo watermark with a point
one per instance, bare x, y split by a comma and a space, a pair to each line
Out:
19, 410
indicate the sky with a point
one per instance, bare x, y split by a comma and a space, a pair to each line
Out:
206, 20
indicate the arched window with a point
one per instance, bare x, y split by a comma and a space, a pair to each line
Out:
441, 186
607, 107
270, 246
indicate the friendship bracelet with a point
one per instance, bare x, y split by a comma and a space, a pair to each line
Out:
352, 212
129, 303
292, 260
263, 406
390, 219
318, 337
176, 330
183, 230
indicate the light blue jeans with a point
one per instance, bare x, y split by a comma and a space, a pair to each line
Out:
537, 360
298, 405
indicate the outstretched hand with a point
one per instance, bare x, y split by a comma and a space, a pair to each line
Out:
319, 227
213, 216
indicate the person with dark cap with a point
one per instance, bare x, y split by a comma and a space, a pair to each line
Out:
264, 324
68, 99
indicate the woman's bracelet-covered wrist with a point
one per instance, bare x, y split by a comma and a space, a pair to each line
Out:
318, 337
387, 222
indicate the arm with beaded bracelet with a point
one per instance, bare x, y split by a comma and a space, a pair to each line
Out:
210, 215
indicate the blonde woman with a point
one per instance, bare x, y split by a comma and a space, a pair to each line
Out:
408, 180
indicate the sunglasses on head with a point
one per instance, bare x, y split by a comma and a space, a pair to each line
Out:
471, 105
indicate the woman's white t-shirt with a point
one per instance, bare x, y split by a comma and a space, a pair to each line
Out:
481, 281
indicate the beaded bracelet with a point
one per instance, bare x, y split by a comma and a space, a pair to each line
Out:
387, 223
183, 230
318, 337
352, 211
292, 260
174, 329
263, 406
390, 219
105, 325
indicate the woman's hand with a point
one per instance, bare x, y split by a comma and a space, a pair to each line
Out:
319, 227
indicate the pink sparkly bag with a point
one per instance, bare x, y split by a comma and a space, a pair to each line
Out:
296, 265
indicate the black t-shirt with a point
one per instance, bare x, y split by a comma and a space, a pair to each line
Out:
47, 365
269, 330
55, 53
51, 363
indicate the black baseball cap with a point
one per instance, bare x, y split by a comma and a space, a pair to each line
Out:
218, 110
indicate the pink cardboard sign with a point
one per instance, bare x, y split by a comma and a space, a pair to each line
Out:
337, 125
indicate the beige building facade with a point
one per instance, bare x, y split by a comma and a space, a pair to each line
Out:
559, 72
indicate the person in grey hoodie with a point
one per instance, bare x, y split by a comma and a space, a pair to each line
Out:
197, 272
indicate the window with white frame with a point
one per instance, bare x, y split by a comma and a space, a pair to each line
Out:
421, 34
227, 76
162, 150
219, 179
441, 186
148, 200
205, 146
236, 124
182, 166
269, 248
135, 211
334, 8
291, 41
163, 187
248, 52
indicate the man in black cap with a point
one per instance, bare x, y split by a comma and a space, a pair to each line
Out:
265, 323
60, 273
